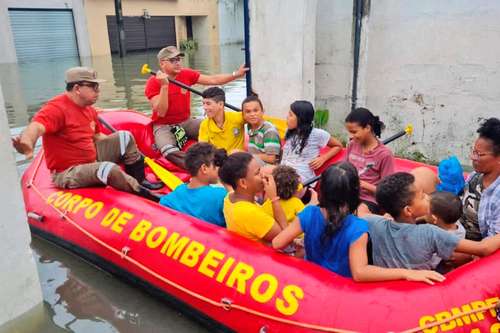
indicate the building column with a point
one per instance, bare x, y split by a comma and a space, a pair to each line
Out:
19, 284
283, 52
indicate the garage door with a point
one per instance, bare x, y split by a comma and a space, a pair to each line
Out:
153, 33
43, 34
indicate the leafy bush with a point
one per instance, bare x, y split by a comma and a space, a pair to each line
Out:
188, 45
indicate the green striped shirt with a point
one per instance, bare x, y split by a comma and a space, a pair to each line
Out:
264, 140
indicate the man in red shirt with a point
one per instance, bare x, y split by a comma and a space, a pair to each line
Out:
76, 151
171, 104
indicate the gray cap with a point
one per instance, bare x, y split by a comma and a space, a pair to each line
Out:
169, 52
77, 74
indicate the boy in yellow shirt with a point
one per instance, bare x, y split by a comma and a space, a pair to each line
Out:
223, 129
243, 215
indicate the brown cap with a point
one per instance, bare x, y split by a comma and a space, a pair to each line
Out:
77, 74
169, 52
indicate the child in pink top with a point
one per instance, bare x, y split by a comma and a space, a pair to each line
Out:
371, 158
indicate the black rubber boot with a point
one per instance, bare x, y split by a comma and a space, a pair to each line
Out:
136, 170
145, 193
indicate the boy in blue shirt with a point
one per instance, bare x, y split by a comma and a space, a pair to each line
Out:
199, 198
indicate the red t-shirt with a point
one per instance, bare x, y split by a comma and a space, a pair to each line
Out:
69, 133
382, 160
179, 99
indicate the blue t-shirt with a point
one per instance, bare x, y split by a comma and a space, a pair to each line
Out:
333, 253
204, 202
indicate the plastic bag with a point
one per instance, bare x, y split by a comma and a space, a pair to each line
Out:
451, 175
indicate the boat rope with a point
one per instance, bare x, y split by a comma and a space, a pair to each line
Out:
447, 320
225, 303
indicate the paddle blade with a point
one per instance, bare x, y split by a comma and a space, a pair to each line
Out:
171, 180
409, 129
145, 69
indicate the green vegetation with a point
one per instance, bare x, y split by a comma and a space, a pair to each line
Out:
416, 156
321, 118
188, 45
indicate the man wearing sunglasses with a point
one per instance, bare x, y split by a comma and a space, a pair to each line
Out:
172, 123
76, 151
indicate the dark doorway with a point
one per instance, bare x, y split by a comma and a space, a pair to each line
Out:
143, 33
189, 27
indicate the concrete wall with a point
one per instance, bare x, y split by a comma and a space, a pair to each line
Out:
334, 60
19, 285
7, 47
97, 10
435, 64
231, 26
282, 42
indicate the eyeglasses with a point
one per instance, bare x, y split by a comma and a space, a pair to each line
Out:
476, 155
91, 85
174, 60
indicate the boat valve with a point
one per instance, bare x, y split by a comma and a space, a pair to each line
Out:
35, 216
125, 251
226, 303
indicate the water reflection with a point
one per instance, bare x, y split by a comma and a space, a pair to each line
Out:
80, 298
26, 86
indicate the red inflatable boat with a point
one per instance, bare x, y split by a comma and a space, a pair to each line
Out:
233, 284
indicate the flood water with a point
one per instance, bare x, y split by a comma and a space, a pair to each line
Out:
79, 297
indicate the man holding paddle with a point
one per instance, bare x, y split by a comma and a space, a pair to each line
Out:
172, 123
76, 152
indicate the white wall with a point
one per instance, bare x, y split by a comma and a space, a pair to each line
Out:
231, 26
435, 64
334, 59
19, 285
282, 44
7, 47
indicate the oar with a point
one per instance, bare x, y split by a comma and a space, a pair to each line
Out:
408, 130
279, 123
147, 70
168, 178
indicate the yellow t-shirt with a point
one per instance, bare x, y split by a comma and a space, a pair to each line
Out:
229, 137
291, 207
247, 219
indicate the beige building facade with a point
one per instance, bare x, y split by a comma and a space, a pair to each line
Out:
203, 13
27, 26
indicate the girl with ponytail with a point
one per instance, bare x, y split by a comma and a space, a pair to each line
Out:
335, 238
372, 158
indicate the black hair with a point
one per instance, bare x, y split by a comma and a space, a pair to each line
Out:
446, 206
287, 181
394, 192
214, 93
203, 153
304, 111
339, 195
252, 98
69, 86
490, 130
234, 168
364, 117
